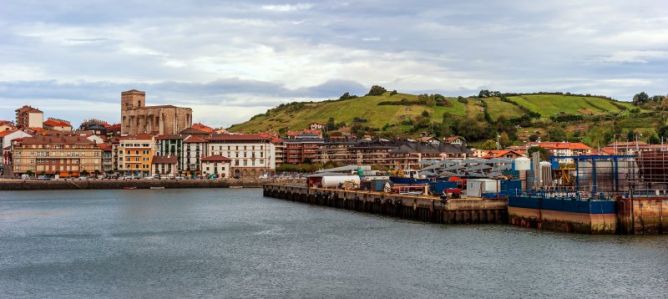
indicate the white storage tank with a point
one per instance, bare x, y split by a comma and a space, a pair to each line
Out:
333, 181
522, 163
477, 187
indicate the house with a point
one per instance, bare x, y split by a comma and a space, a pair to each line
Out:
456, 140
505, 153
164, 165
6, 138
216, 166
6, 125
251, 155
57, 125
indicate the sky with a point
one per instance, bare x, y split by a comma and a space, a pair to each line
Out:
230, 60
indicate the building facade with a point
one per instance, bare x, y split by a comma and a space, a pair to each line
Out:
137, 118
216, 167
65, 156
29, 117
57, 125
251, 155
135, 154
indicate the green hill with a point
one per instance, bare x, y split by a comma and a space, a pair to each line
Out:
516, 117
379, 111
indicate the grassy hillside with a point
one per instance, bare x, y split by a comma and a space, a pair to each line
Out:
297, 116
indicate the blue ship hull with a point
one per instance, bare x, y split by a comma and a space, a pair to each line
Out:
563, 205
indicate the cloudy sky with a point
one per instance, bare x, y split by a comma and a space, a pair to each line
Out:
230, 60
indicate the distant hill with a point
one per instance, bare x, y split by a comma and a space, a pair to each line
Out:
516, 118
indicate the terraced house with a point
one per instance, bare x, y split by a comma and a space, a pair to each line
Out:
61, 155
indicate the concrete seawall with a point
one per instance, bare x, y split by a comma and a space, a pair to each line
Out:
422, 208
16, 185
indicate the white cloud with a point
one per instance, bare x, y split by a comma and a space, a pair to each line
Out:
636, 56
287, 7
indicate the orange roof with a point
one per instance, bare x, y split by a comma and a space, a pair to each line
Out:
5, 133
142, 136
500, 153
561, 145
105, 146
202, 127
239, 137
304, 132
52, 122
194, 139
215, 158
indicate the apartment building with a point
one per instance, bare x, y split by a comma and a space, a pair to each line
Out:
62, 155
251, 155
135, 154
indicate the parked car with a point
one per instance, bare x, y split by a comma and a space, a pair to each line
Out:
43, 178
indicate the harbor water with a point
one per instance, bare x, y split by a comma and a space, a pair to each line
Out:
236, 243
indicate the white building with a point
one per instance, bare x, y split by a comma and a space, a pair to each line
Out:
251, 155
216, 167
194, 149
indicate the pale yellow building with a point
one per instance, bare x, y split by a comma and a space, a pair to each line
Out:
134, 154
65, 156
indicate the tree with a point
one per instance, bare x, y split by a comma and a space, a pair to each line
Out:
376, 90
504, 139
663, 132
331, 124
533, 137
653, 139
544, 154
425, 113
346, 96
556, 134
630, 135
489, 144
640, 99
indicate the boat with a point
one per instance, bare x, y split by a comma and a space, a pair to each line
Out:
129, 188
157, 188
236, 187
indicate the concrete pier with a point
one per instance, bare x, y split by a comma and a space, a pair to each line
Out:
422, 208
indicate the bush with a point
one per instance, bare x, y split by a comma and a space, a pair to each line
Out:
376, 90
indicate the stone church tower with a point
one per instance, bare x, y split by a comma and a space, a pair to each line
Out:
137, 118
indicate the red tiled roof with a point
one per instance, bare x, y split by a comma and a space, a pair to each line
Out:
105, 146
304, 132
194, 139
52, 122
137, 137
202, 127
168, 137
239, 137
561, 145
5, 133
216, 158
164, 160
57, 139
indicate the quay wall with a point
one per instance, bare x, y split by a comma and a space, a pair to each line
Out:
422, 208
642, 215
18, 185
586, 217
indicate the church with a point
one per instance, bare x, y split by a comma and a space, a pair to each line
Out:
137, 118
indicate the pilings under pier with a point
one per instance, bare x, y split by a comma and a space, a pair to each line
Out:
422, 208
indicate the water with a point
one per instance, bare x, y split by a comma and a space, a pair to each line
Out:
235, 243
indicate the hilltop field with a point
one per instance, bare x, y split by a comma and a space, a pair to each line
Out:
515, 117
